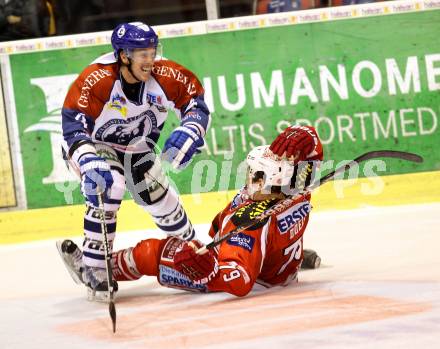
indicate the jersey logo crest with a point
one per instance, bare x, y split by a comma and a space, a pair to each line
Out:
154, 99
119, 131
242, 240
287, 220
248, 213
118, 103
170, 277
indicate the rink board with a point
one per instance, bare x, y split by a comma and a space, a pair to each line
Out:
379, 284
367, 77
7, 190
390, 60
39, 224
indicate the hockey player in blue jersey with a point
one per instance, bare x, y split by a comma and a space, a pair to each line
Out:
112, 118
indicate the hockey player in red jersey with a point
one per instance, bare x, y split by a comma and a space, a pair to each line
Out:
112, 118
268, 253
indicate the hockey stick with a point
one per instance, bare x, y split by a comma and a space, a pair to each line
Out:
108, 265
290, 200
182, 151
402, 155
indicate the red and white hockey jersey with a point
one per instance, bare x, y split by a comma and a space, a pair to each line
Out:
269, 253
97, 109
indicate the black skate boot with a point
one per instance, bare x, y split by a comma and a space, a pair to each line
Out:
311, 260
72, 258
95, 279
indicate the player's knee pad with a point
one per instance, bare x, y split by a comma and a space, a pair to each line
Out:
110, 155
116, 192
143, 259
146, 181
146, 256
170, 216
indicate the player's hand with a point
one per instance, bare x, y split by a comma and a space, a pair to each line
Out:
94, 172
181, 146
298, 143
198, 268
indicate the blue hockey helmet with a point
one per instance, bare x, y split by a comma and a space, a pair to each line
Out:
133, 35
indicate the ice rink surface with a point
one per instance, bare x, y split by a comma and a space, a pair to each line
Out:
378, 286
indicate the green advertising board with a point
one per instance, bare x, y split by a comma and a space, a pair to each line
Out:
365, 84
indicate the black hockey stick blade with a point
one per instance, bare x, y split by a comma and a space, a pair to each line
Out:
112, 311
396, 154
402, 155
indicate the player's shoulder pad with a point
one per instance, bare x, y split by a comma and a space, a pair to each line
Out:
169, 68
107, 58
179, 83
98, 74
95, 80
247, 213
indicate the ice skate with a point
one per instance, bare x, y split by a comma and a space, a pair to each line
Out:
95, 279
96, 282
311, 260
72, 258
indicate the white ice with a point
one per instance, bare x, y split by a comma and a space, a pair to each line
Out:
379, 286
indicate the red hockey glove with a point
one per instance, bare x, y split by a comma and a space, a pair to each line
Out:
198, 268
298, 143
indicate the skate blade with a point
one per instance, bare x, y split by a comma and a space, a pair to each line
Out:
74, 276
98, 296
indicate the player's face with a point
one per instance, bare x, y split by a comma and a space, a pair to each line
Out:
142, 62
251, 185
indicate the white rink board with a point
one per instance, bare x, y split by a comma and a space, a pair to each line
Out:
229, 24
379, 287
